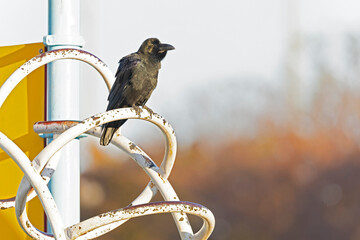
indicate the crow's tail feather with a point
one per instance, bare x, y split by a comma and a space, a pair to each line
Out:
109, 130
106, 135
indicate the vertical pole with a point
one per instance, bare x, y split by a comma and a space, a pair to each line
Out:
63, 103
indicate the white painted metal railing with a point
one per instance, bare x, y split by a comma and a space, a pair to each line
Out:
39, 171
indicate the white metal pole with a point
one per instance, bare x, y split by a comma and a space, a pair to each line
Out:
63, 103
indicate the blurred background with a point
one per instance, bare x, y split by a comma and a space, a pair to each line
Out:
264, 99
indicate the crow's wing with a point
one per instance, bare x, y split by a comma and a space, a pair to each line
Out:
123, 81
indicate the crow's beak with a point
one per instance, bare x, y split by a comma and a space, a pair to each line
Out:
165, 47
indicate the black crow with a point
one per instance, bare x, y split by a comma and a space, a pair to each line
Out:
136, 78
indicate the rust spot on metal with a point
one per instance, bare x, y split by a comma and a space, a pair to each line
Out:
181, 219
161, 177
159, 205
132, 146
170, 148
66, 51
64, 123
28, 224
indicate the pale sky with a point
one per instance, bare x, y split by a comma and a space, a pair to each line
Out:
215, 41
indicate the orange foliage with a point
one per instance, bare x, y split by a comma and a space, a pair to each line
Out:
261, 188
286, 182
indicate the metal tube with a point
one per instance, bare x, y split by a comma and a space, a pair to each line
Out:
41, 189
63, 103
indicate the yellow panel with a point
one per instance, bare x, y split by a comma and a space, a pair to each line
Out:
24, 106
15, 111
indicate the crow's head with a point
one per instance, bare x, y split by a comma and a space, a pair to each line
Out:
154, 48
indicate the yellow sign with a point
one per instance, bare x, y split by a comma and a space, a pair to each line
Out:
24, 106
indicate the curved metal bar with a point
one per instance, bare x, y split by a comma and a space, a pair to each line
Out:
86, 229
51, 56
136, 153
23, 219
143, 160
35, 180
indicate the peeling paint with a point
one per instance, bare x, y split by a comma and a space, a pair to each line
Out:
149, 162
